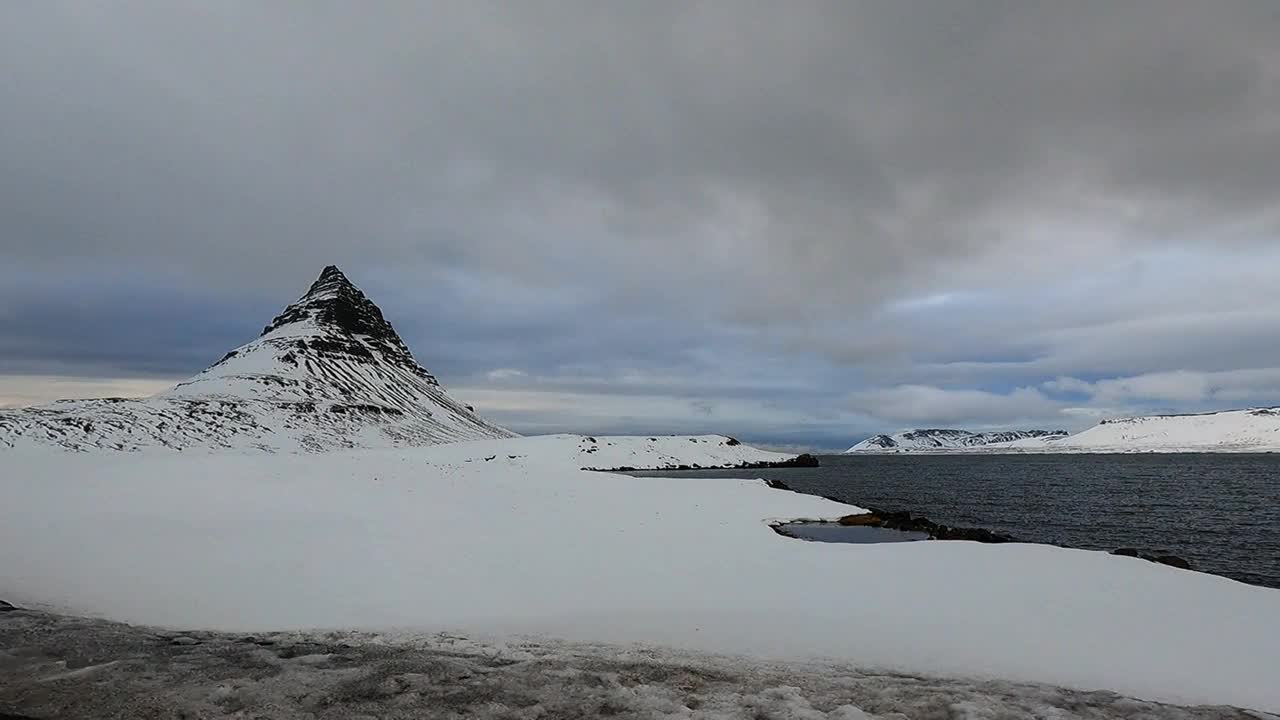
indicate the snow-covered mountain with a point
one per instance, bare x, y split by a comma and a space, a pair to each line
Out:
940, 439
328, 372
1251, 430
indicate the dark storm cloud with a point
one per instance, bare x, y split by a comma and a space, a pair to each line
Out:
574, 189
80, 322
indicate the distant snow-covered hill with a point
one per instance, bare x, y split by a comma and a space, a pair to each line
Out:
1251, 430
328, 372
947, 439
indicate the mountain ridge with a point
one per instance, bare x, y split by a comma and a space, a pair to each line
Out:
942, 439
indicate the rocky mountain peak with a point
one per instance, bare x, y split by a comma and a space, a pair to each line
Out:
346, 323
331, 281
335, 303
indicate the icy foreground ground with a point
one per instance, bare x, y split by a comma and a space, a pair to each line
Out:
56, 666
505, 538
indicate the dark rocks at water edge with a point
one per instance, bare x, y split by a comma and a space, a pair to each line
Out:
803, 460
1163, 559
903, 520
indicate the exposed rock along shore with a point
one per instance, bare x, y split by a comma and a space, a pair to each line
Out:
905, 521
801, 460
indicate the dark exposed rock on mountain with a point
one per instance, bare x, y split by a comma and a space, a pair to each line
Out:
947, 439
359, 330
328, 372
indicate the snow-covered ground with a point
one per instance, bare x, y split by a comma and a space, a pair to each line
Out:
654, 453
1251, 430
511, 537
70, 667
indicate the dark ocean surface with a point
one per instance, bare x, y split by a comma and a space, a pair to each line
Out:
1219, 511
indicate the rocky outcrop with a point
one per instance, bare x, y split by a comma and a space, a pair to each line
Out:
903, 520
781, 461
801, 460
1162, 558
358, 331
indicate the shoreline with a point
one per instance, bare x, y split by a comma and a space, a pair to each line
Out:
904, 520
803, 460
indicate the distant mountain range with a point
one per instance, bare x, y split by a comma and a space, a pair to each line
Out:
1248, 430
328, 372
937, 439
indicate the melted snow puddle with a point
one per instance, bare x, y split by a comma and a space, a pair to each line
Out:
857, 534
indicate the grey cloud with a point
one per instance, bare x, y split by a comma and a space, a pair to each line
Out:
125, 325
849, 144
1204, 342
922, 405
1181, 388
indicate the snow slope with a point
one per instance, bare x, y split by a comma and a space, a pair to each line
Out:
328, 372
503, 537
1252, 430
946, 439
618, 452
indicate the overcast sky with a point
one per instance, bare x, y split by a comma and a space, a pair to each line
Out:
797, 222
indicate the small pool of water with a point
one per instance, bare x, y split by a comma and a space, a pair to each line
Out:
859, 534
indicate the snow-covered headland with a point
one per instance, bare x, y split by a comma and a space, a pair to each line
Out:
1243, 431
388, 528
